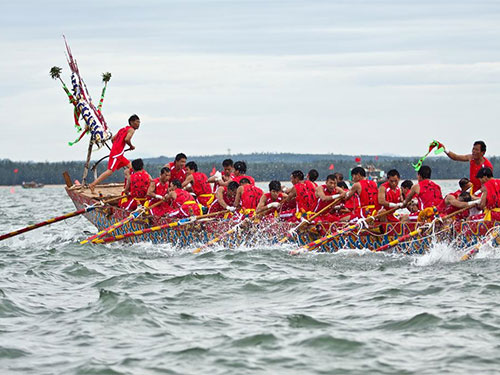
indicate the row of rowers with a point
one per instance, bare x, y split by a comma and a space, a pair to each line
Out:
182, 191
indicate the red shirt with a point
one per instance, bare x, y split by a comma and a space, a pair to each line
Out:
216, 206
473, 169
306, 196
492, 193
250, 196
119, 142
369, 193
176, 174
430, 195
322, 204
391, 195
239, 178
200, 184
160, 188
139, 184
269, 199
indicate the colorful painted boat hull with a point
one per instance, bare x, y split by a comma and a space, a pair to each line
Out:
462, 234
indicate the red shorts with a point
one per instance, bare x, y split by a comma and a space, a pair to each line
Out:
161, 210
117, 162
203, 200
130, 203
190, 209
328, 217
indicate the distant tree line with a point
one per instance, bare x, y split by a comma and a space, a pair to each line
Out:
263, 167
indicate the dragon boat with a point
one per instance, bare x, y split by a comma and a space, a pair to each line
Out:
418, 236
461, 233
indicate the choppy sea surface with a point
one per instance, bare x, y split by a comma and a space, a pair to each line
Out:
67, 308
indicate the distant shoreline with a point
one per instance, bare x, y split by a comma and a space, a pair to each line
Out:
263, 167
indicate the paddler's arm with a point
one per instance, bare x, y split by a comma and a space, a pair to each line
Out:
189, 180
355, 189
151, 190
322, 196
415, 190
262, 205
452, 201
237, 199
292, 193
381, 197
482, 203
128, 138
127, 186
219, 194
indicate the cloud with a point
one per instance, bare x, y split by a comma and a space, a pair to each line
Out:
347, 77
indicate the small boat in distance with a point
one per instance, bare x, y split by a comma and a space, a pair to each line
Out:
31, 185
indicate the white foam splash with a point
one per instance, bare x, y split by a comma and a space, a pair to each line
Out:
439, 252
487, 252
445, 253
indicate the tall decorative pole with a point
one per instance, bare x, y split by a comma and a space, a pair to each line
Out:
87, 162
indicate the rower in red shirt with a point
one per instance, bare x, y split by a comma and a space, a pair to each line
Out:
136, 187
476, 161
390, 195
326, 194
427, 192
240, 170
270, 203
312, 176
158, 190
177, 168
465, 187
116, 158
366, 192
224, 178
454, 202
304, 193
183, 203
198, 183
247, 197
406, 186
224, 199
490, 197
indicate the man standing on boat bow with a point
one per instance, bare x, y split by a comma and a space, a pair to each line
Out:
116, 158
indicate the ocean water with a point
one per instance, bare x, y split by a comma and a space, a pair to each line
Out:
67, 308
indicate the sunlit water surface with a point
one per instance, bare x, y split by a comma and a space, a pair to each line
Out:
67, 308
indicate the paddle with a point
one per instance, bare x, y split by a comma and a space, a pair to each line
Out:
475, 249
414, 233
293, 230
55, 219
157, 228
323, 240
134, 215
232, 230
217, 239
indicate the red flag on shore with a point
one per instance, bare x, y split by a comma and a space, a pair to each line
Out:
376, 158
16, 170
358, 159
331, 167
213, 171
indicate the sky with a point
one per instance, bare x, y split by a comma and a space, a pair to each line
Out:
205, 77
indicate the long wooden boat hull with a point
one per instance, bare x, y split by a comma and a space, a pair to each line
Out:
461, 233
